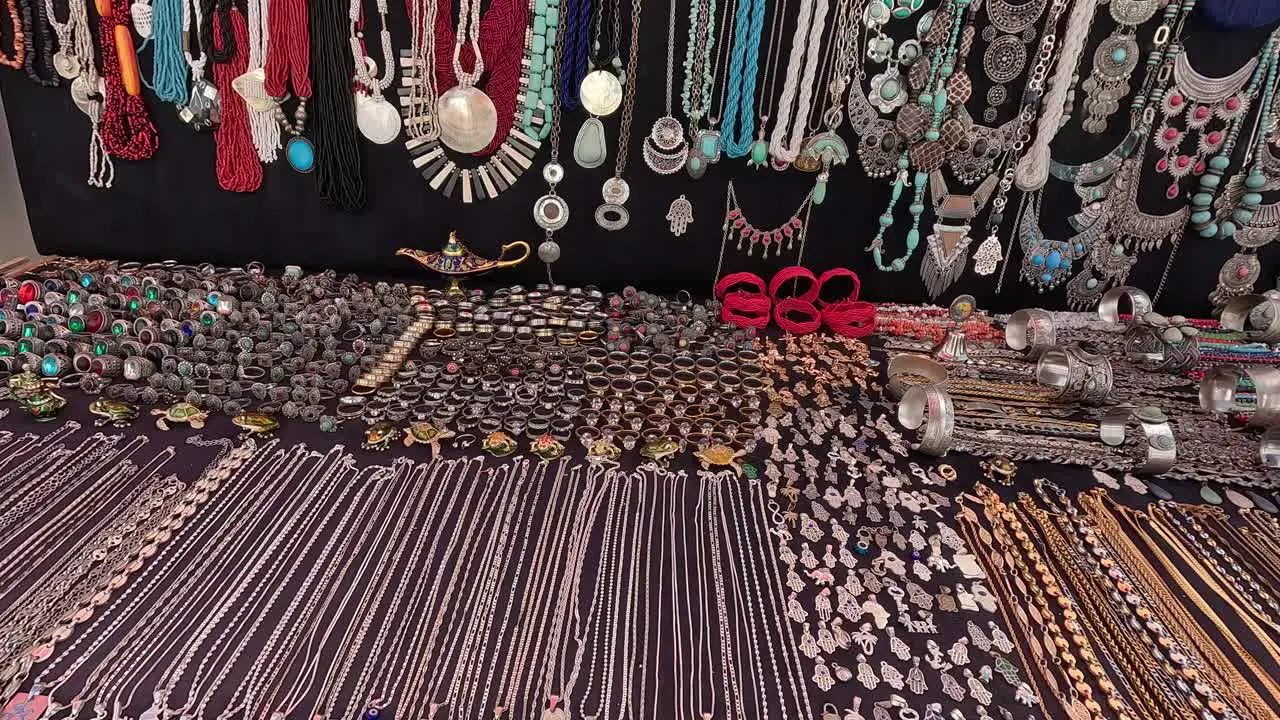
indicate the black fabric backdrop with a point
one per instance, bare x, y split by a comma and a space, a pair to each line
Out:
172, 207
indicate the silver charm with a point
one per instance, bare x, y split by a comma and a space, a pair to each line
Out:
680, 215
915, 678
988, 256
999, 640
897, 646
866, 675
891, 676
808, 645
822, 677
951, 688
977, 690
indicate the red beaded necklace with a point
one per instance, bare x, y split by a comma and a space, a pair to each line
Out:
502, 31
236, 163
127, 132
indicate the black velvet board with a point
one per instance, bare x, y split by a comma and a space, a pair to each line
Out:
172, 207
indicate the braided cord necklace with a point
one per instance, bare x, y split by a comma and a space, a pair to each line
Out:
35, 24
802, 66
941, 65
739, 109
573, 63
338, 165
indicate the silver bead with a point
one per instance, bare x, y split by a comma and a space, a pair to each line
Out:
549, 251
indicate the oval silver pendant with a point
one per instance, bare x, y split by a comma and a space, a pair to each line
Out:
615, 191
468, 119
601, 93
377, 119
551, 212
612, 217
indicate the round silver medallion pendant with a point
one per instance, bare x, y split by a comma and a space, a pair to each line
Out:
552, 173
601, 93
615, 191
667, 133
67, 66
468, 119
549, 251
377, 119
612, 217
551, 212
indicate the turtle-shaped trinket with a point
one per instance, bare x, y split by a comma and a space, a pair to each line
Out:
119, 414
660, 451
182, 412
255, 423
603, 450
720, 456
546, 447
380, 435
427, 433
499, 444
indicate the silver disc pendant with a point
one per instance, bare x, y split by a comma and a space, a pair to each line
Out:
601, 93
551, 212
468, 119
67, 66
553, 173
615, 191
612, 217
377, 119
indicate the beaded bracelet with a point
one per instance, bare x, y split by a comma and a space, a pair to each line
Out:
850, 318
795, 272
785, 308
832, 274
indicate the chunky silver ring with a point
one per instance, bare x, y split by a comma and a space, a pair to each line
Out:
1218, 391
1161, 452
1109, 306
1077, 375
1030, 330
138, 368
1257, 316
928, 405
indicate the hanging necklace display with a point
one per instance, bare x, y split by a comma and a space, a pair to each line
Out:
613, 215
699, 74
203, 108
1240, 204
948, 244
1201, 104
739, 108
881, 145
376, 119
539, 101
467, 116
665, 149
1046, 263
237, 165
705, 145
550, 211
736, 224
127, 132
75, 61
825, 149
288, 64
506, 41
1114, 62
418, 94
1011, 32
599, 93
801, 75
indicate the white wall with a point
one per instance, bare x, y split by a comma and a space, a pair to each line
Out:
15, 231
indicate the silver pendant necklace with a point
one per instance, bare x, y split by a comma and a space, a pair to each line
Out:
948, 244
612, 214
665, 149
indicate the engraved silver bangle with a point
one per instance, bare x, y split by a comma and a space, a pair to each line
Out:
919, 365
1161, 450
1218, 391
928, 405
1030, 331
1077, 374
1257, 316
1109, 306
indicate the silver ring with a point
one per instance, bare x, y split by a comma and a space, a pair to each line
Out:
1077, 375
138, 368
1030, 330
928, 405
1218, 391
1257, 316
1109, 305
1162, 451
909, 364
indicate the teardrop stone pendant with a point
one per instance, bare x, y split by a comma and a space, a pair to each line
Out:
1159, 491
1210, 496
1238, 499
589, 148
1263, 503
759, 154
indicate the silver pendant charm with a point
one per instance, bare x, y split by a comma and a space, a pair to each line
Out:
665, 149
601, 93
988, 256
377, 120
551, 212
612, 217
680, 215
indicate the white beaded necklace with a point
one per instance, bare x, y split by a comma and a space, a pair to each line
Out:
262, 125
806, 44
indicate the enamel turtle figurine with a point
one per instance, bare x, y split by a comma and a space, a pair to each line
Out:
720, 456
499, 444
119, 414
603, 450
546, 447
427, 433
380, 435
660, 451
182, 412
255, 423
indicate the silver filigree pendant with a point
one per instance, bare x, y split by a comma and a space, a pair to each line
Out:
680, 215
988, 256
665, 150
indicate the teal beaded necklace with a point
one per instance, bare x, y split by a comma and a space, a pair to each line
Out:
942, 65
1202, 217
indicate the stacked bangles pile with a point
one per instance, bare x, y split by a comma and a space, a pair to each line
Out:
749, 303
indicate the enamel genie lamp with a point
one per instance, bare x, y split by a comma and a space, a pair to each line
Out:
454, 260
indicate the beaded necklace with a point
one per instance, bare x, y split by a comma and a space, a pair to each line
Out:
739, 110
927, 155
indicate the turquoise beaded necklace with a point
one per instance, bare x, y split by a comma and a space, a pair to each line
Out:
942, 65
1202, 217
739, 109
540, 93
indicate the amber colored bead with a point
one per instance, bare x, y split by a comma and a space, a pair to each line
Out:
1090, 539
1051, 592
1107, 562
1008, 516
1069, 615
1063, 601
1190, 673
1061, 643
1093, 707
1042, 568
1142, 613
1078, 639
1123, 586
1165, 642
1106, 685
1069, 660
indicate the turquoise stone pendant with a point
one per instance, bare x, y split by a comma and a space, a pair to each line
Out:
1207, 493
300, 154
705, 151
759, 154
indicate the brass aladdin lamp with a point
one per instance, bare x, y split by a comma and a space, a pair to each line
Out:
454, 260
